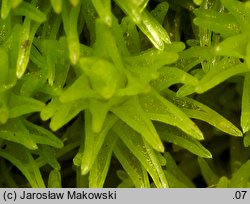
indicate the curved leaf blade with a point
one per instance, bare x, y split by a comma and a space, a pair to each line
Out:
30, 11
173, 135
99, 170
94, 141
131, 165
197, 110
160, 109
169, 76
42, 136
143, 152
15, 131
24, 161
20, 105
208, 174
132, 113
55, 180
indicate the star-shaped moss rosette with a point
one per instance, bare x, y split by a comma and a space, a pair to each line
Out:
108, 88
100, 75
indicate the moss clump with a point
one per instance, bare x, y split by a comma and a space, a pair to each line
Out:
101, 93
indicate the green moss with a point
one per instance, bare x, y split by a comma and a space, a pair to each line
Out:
124, 93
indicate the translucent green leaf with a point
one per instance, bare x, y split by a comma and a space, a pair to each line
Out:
82, 181
197, 110
5, 9
131, 35
187, 89
161, 159
15, 131
49, 155
99, 111
75, 91
219, 74
143, 152
240, 12
57, 5
245, 107
107, 46
23, 49
176, 47
20, 105
30, 11
208, 174
50, 109
153, 30
99, 170
149, 26
50, 50
43, 136
57, 65
196, 51
132, 113
160, 109
234, 46
240, 178
103, 8
152, 58
174, 174
143, 74
223, 182
145, 66
160, 11
54, 180
170, 76
223, 23
174, 135
23, 160
32, 83
131, 165
93, 141
70, 19
67, 112
55, 28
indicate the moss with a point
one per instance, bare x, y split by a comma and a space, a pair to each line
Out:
148, 90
